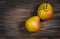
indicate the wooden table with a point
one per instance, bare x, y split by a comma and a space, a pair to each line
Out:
15, 12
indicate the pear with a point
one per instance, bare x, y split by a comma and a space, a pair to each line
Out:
32, 24
45, 11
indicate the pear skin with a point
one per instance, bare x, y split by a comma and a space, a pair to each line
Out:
45, 13
32, 24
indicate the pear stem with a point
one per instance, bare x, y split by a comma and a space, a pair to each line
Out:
46, 4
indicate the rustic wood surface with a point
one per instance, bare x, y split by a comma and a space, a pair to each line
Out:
13, 14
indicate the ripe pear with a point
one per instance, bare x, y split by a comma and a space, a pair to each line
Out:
32, 24
45, 11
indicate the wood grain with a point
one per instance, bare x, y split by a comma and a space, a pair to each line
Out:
16, 12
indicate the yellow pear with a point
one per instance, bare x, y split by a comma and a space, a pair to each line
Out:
45, 11
32, 24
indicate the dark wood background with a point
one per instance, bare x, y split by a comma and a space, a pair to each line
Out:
13, 14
